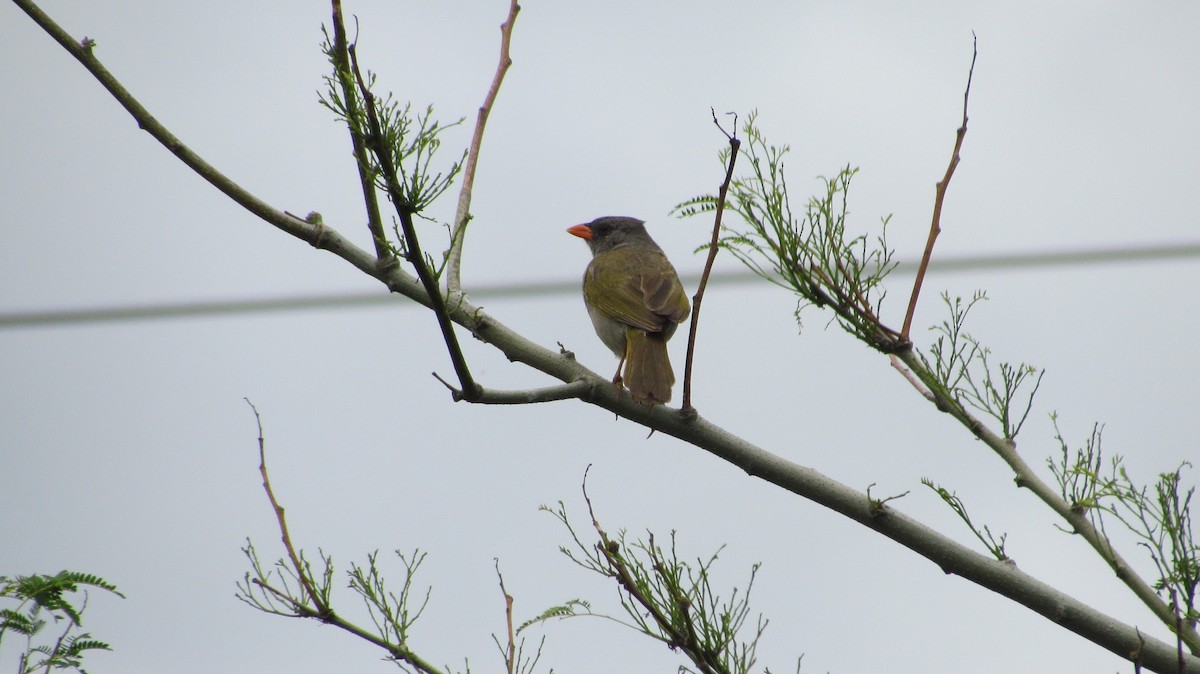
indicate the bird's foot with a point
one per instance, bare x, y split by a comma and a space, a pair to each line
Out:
618, 383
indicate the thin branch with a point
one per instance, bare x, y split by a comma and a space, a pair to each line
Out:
396, 652
734, 145
510, 654
911, 378
935, 227
377, 143
575, 389
611, 551
322, 611
341, 62
463, 216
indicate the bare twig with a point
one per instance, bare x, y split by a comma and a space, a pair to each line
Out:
510, 655
387, 165
940, 196
463, 216
575, 389
1136, 655
341, 62
322, 609
734, 145
911, 378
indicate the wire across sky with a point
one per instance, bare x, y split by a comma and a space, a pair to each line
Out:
532, 289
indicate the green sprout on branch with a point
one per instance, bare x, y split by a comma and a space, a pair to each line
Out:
291, 587
960, 369
984, 534
392, 614
411, 140
394, 146
810, 253
281, 589
295, 591
666, 598
1158, 516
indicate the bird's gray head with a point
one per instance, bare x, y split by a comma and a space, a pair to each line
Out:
614, 231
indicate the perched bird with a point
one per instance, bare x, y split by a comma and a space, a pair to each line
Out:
635, 300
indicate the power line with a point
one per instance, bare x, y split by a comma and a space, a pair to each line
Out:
530, 289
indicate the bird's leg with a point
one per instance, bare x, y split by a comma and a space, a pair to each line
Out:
617, 380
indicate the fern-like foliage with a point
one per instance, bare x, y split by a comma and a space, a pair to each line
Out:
810, 250
667, 598
396, 146
42, 600
1158, 515
960, 368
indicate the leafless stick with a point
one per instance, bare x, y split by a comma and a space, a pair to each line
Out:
510, 656
575, 389
940, 196
734, 145
301, 570
1136, 656
912, 379
463, 215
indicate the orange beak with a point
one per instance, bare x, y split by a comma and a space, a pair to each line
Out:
582, 231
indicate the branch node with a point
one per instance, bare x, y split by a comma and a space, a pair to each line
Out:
565, 352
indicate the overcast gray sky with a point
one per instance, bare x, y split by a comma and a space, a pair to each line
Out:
128, 450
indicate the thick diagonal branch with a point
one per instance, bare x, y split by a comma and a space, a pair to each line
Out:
1078, 521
